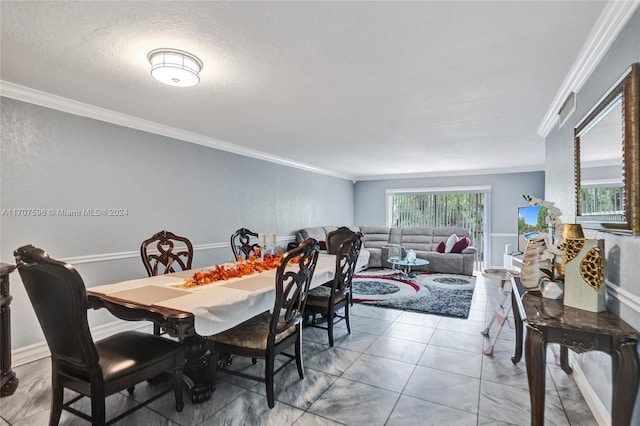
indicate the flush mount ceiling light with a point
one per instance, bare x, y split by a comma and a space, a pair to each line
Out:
174, 67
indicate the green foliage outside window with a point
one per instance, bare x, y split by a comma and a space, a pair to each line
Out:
601, 200
463, 210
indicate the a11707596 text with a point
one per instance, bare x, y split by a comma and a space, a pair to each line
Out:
63, 212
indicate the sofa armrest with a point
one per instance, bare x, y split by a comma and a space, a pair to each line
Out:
363, 260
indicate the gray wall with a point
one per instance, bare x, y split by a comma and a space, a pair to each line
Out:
54, 160
622, 267
505, 198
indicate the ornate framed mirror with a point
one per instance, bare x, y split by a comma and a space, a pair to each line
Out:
607, 159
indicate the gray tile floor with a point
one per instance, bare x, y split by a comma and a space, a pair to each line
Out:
396, 368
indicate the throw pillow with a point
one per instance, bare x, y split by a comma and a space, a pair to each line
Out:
450, 243
460, 245
323, 245
441, 247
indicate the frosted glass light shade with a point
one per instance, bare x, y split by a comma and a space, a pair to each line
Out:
174, 67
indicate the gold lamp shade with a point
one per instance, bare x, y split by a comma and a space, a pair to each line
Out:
571, 230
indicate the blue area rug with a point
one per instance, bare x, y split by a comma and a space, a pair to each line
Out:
440, 294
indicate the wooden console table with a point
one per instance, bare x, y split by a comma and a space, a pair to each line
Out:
549, 321
8, 379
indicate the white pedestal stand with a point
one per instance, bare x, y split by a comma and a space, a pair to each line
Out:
502, 311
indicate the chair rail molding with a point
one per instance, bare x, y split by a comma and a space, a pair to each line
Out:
624, 296
106, 257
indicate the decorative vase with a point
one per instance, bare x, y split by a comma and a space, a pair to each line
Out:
395, 252
552, 289
411, 256
584, 274
531, 275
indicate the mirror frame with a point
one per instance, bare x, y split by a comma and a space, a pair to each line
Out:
627, 86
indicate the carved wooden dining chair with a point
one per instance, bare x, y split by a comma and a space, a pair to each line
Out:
94, 369
336, 237
327, 300
269, 334
334, 240
161, 255
241, 244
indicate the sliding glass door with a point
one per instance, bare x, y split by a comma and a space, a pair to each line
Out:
436, 207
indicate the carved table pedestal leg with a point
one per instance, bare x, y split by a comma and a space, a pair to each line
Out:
197, 371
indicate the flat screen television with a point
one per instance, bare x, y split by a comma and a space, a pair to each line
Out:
532, 221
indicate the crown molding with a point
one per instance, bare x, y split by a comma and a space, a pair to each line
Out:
59, 103
459, 188
524, 169
612, 20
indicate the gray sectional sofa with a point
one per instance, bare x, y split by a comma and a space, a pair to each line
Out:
423, 240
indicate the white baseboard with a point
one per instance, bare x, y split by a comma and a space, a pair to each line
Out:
599, 411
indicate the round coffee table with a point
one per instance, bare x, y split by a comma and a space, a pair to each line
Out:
406, 266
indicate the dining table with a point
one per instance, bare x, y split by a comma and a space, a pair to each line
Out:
191, 313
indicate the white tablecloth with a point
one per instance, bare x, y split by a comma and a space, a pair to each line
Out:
223, 304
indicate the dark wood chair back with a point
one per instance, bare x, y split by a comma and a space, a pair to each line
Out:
346, 259
329, 298
336, 238
59, 299
292, 286
161, 255
241, 244
93, 369
268, 335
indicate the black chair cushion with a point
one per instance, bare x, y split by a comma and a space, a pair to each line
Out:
252, 334
129, 351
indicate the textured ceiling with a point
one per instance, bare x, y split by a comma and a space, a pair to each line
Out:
360, 89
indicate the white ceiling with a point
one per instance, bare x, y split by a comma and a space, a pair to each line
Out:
359, 89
